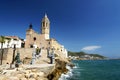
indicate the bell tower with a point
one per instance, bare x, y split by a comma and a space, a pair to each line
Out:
45, 26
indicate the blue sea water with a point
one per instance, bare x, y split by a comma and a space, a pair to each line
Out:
95, 70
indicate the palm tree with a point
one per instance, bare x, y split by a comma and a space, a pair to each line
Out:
2, 40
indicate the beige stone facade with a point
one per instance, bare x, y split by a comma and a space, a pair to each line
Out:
43, 40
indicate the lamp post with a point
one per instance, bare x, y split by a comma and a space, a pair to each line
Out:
14, 49
2, 41
2, 52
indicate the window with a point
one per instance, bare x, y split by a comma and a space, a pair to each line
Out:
34, 38
48, 42
43, 23
31, 46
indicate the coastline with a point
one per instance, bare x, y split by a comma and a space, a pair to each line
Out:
60, 68
28, 72
35, 72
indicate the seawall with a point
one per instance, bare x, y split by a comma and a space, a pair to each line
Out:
8, 54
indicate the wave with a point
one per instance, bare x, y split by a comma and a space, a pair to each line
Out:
68, 74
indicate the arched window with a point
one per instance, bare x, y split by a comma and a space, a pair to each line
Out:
48, 42
43, 23
34, 38
31, 46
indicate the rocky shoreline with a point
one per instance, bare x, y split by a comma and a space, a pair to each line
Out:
22, 73
36, 72
60, 68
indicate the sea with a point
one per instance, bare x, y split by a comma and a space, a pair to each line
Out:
93, 70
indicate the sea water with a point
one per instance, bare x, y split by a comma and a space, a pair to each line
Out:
93, 70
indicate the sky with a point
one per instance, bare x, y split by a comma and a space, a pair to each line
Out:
92, 26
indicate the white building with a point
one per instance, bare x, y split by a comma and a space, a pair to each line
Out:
64, 51
10, 41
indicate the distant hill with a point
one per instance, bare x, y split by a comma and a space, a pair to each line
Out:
82, 54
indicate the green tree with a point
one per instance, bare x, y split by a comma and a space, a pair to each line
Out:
2, 40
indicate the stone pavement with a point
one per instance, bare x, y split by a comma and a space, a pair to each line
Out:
38, 65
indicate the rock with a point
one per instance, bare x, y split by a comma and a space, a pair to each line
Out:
41, 78
23, 79
27, 76
13, 78
71, 65
27, 71
59, 69
20, 75
3, 77
39, 74
31, 79
19, 69
32, 75
34, 70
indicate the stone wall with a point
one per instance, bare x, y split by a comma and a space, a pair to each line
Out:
27, 53
8, 54
39, 41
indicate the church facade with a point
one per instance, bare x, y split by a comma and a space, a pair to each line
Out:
42, 40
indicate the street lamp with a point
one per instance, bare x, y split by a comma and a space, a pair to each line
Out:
14, 49
2, 52
2, 41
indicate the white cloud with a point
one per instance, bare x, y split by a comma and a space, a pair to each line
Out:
90, 48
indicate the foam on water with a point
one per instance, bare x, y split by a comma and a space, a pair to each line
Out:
75, 67
67, 75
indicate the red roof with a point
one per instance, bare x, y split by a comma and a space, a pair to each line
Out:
12, 37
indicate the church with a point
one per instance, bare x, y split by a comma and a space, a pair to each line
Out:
42, 40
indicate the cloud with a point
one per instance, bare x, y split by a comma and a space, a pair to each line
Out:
90, 48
